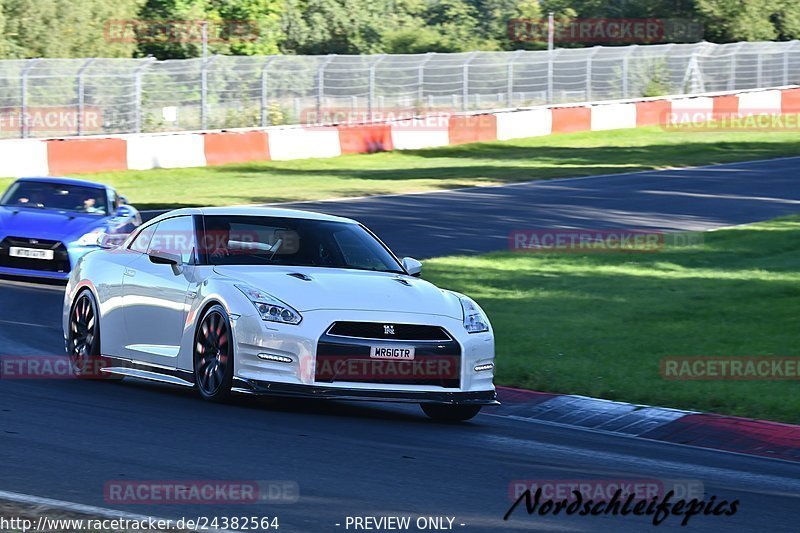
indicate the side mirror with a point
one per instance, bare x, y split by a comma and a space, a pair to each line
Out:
412, 266
165, 258
123, 200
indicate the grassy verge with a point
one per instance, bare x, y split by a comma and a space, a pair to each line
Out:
599, 323
555, 156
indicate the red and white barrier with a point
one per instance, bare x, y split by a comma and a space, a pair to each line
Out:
31, 157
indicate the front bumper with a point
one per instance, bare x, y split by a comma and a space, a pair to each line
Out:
70, 258
297, 355
487, 397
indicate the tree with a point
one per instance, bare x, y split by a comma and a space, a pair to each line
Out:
62, 28
237, 27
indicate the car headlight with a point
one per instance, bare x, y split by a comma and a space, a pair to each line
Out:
474, 319
269, 307
92, 238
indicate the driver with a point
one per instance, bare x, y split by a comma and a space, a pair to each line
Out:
92, 205
217, 237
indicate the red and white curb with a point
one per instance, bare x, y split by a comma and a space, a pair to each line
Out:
705, 430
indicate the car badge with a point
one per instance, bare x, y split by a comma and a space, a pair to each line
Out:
388, 329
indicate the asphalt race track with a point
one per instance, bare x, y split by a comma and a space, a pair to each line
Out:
65, 439
479, 219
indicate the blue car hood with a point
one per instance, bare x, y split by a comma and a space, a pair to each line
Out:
48, 224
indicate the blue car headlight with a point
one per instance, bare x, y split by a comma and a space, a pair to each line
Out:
92, 238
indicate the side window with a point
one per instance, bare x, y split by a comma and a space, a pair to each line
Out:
142, 241
114, 201
175, 236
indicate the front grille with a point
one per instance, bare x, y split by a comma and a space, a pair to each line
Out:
348, 361
59, 263
378, 330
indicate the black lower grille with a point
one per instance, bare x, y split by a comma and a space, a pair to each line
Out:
59, 263
388, 331
350, 361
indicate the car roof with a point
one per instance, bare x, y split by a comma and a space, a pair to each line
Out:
64, 181
255, 212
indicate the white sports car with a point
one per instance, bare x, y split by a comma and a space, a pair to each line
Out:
279, 302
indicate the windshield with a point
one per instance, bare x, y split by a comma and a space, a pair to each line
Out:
254, 240
43, 195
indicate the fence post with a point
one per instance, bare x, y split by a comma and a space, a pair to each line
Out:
759, 70
371, 90
23, 104
321, 81
510, 76
204, 91
137, 81
732, 74
81, 97
626, 70
264, 93
589, 58
421, 77
786, 63
465, 81
551, 55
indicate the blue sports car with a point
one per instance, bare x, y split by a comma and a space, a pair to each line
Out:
47, 224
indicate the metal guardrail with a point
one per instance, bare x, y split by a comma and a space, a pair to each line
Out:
60, 97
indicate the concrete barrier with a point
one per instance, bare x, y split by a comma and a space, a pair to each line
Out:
571, 119
613, 116
304, 142
165, 151
521, 124
235, 147
23, 157
415, 133
760, 102
86, 155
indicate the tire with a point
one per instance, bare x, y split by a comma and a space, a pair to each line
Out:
83, 340
450, 413
213, 355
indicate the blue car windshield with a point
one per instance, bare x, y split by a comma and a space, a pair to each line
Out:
58, 196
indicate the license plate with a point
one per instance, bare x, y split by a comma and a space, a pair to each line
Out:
405, 353
30, 253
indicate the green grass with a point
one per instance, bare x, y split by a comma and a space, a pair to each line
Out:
598, 324
555, 156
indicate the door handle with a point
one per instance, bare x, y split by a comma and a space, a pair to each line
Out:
130, 272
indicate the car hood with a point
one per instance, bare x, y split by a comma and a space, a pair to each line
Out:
47, 224
358, 290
